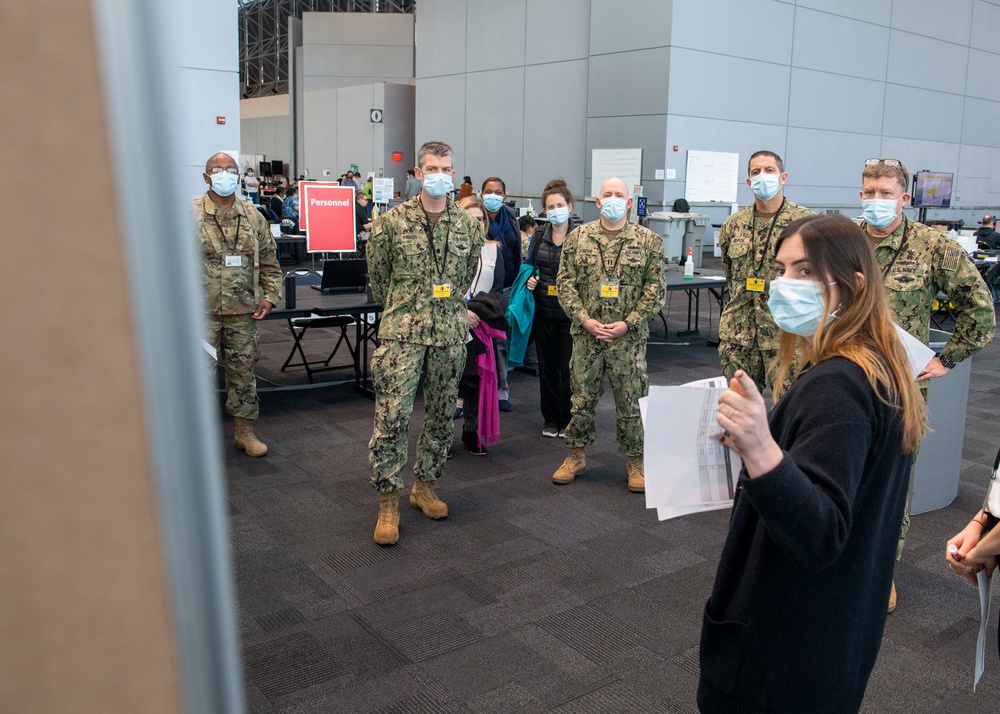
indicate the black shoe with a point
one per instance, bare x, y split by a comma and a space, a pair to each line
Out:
506, 406
471, 441
459, 411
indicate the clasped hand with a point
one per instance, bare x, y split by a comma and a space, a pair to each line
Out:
605, 332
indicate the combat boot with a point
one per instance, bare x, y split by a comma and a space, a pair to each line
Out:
574, 465
636, 475
387, 528
246, 440
423, 497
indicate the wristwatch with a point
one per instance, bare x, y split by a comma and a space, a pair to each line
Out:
630, 326
947, 362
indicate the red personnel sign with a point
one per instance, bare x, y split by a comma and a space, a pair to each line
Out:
327, 216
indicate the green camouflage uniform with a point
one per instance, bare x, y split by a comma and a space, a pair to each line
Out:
232, 293
748, 337
419, 335
929, 263
636, 261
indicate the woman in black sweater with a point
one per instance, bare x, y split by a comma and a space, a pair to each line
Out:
553, 341
795, 619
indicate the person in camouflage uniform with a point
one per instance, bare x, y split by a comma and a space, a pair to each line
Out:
611, 281
242, 285
748, 337
422, 256
917, 263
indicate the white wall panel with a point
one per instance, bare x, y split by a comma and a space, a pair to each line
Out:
357, 61
981, 122
983, 79
878, 12
927, 63
718, 87
738, 137
751, 29
494, 111
950, 21
440, 115
555, 125
629, 24
440, 38
613, 92
556, 31
496, 35
985, 26
912, 113
821, 40
817, 101
829, 158
357, 28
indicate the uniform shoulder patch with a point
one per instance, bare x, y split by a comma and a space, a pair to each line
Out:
951, 256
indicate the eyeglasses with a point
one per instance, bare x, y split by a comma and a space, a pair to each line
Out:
216, 170
885, 162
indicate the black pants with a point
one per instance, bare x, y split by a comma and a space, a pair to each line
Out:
468, 390
555, 348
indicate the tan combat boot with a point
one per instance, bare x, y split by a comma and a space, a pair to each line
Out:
636, 475
387, 528
423, 497
574, 465
246, 440
892, 598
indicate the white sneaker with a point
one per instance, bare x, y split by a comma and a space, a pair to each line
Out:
562, 433
550, 431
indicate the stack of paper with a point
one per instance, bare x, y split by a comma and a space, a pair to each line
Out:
687, 469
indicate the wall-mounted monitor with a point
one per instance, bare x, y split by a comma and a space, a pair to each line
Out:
932, 189
277, 167
264, 168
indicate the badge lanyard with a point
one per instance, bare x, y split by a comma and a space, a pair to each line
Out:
767, 240
222, 233
442, 289
618, 256
902, 244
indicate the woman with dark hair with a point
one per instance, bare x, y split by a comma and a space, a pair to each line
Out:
466, 189
795, 619
504, 230
553, 340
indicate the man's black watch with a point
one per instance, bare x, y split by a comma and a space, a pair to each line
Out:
947, 362
631, 327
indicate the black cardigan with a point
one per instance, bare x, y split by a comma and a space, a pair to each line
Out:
795, 619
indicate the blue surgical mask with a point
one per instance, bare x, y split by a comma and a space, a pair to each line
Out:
797, 305
492, 201
438, 184
765, 186
558, 216
613, 208
879, 212
224, 183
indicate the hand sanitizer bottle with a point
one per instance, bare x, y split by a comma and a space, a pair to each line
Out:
689, 265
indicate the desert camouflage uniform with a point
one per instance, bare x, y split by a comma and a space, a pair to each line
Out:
419, 335
931, 262
636, 261
232, 293
748, 337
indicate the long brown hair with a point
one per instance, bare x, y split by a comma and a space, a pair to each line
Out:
863, 330
474, 202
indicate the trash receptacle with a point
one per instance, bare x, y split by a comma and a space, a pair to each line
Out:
679, 231
939, 463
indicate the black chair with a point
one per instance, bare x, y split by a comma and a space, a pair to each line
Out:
992, 279
299, 326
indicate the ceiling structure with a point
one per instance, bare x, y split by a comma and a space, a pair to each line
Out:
264, 37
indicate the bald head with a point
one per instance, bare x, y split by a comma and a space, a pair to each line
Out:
221, 160
614, 187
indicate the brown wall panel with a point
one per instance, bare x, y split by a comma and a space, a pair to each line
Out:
85, 621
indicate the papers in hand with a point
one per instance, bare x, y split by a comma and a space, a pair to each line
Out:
917, 352
687, 469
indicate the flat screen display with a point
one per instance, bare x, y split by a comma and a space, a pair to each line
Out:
933, 189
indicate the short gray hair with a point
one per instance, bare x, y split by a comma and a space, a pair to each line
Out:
436, 148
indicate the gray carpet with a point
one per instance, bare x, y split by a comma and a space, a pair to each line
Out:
531, 597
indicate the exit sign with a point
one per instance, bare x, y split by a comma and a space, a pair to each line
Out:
220, 120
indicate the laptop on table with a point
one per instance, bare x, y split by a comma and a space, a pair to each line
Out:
343, 276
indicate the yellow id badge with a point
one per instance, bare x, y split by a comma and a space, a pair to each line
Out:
609, 290
755, 285
553, 290
442, 291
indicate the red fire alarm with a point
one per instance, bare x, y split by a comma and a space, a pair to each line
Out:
220, 120
675, 147
397, 155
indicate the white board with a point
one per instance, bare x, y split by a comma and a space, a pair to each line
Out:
382, 189
712, 176
625, 164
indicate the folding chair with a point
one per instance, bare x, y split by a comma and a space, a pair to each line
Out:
299, 326
942, 310
992, 280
